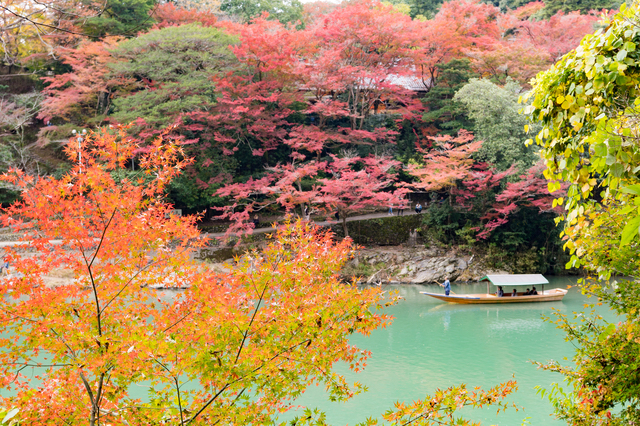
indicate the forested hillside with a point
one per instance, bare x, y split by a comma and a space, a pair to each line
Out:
322, 109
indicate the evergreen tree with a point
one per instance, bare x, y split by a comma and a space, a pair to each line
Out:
281, 10
121, 17
445, 114
584, 6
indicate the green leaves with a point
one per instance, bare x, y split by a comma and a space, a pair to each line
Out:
172, 69
630, 231
631, 189
589, 135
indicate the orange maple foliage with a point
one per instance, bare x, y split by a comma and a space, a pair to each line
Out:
231, 349
89, 85
449, 162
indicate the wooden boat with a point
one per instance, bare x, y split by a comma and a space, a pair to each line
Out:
507, 282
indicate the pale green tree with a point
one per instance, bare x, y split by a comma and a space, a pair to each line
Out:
494, 111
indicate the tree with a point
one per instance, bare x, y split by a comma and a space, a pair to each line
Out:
530, 190
446, 161
253, 332
527, 46
350, 190
120, 18
87, 89
315, 10
284, 11
186, 12
587, 105
28, 27
154, 78
251, 340
345, 184
170, 72
558, 34
353, 62
459, 27
497, 122
553, 6
600, 121
445, 115
17, 112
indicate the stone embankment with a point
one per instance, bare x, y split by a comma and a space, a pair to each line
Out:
415, 265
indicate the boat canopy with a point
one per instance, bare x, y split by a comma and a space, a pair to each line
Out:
515, 279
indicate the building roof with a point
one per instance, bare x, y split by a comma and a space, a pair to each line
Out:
409, 82
515, 279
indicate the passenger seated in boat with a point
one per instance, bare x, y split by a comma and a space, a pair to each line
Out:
527, 293
534, 292
515, 293
500, 292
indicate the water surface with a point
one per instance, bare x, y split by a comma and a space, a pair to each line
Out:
432, 344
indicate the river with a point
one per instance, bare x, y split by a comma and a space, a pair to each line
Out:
432, 344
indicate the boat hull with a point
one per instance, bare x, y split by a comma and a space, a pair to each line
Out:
554, 295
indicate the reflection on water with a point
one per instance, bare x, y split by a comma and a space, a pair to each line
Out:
516, 325
432, 344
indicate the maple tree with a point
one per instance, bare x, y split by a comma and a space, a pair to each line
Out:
530, 190
446, 160
87, 88
186, 12
357, 183
100, 333
251, 340
529, 46
456, 29
316, 9
353, 61
341, 184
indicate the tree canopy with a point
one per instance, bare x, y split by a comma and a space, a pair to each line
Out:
588, 107
494, 111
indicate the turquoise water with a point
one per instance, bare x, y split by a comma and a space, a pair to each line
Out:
432, 344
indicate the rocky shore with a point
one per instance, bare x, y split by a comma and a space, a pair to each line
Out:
415, 265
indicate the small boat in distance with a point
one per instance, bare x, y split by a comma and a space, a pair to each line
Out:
507, 282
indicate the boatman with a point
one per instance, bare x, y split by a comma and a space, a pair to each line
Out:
447, 286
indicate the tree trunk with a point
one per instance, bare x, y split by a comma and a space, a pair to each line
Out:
344, 224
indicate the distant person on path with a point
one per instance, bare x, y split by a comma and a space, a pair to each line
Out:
500, 292
418, 208
5, 267
401, 209
515, 293
534, 292
447, 286
337, 215
256, 221
390, 210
